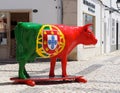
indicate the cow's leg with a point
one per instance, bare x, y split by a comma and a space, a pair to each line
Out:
64, 65
22, 70
52, 67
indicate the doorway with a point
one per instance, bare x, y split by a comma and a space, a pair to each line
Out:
117, 36
16, 17
105, 34
4, 35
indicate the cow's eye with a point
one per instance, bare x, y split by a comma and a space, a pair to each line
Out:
86, 29
89, 33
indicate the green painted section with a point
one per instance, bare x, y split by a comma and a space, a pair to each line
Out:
26, 34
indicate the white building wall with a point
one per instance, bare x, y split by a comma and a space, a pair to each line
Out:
47, 9
113, 3
110, 16
107, 33
84, 53
116, 17
113, 36
107, 25
106, 2
105, 28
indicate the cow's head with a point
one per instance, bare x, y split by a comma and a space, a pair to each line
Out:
87, 36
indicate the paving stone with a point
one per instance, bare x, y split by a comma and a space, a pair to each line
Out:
102, 73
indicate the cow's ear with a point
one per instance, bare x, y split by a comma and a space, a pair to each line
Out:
85, 27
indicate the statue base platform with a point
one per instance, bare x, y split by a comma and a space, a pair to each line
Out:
34, 81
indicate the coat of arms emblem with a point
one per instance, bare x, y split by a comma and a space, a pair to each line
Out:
50, 41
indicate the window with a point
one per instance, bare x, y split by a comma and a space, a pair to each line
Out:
113, 32
87, 18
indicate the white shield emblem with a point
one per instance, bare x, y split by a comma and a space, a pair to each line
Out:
52, 41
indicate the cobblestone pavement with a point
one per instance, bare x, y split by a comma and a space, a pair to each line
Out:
102, 73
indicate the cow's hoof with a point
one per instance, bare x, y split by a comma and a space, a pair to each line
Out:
64, 75
22, 77
27, 75
30, 82
81, 79
51, 75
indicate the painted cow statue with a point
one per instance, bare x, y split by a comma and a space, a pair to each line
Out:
48, 41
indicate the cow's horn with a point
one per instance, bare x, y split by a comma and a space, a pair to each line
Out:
87, 25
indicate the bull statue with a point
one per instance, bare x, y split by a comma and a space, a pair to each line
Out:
48, 41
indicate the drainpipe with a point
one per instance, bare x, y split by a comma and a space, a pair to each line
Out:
110, 25
101, 32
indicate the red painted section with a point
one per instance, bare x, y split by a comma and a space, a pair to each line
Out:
73, 37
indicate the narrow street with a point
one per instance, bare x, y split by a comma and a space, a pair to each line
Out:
102, 73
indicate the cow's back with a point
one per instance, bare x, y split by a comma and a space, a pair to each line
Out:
26, 34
